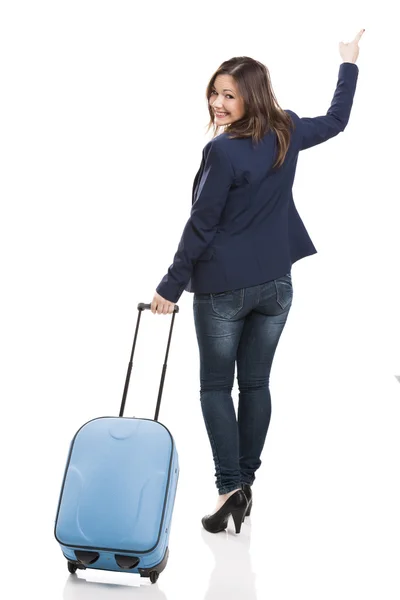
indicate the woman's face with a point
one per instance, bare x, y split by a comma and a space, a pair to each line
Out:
225, 101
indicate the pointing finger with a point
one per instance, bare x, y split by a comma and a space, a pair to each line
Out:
358, 36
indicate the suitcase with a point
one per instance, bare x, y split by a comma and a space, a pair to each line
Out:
118, 492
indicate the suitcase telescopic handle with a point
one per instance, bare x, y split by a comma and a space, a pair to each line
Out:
141, 308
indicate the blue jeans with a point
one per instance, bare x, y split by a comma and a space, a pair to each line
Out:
241, 326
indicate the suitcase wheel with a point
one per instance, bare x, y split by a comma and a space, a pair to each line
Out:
153, 576
72, 567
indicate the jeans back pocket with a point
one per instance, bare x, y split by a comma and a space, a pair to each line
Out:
228, 304
284, 291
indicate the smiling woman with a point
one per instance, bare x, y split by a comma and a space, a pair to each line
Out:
225, 100
242, 102
241, 280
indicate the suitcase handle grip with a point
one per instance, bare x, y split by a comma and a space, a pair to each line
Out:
142, 306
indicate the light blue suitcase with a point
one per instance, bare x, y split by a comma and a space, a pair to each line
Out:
118, 492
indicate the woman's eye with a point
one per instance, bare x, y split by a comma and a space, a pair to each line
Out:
227, 95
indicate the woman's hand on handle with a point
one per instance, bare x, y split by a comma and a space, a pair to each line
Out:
161, 306
349, 52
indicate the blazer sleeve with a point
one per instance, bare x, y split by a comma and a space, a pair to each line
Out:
211, 191
316, 130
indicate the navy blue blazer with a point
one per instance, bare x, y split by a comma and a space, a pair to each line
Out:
244, 228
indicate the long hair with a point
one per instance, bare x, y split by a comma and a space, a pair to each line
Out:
262, 111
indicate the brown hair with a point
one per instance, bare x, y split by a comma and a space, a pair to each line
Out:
262, 111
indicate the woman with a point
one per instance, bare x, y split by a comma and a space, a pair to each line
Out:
236, 254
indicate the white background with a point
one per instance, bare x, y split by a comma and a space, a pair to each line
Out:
103, 121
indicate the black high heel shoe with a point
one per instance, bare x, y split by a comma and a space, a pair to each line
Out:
249, 496
236, 505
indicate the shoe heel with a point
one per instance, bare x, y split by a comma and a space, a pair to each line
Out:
238, 518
